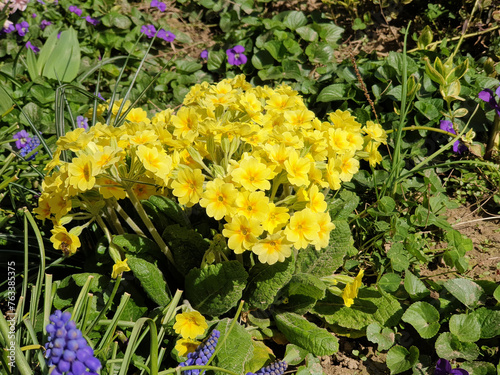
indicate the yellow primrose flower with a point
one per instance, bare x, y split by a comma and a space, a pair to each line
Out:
59, 204
276, 218
218, 198
185, 346
333, 175
325, 227
143, 137
110, 189
117, 104
252, 205
252, 175
376, 132
337, 139
65, 241
120, 267
185, 122
274, 248
302, 229
82, 172
154, 160
280, 103
188, 186
144, 191
75, 140
374, 156
300, 118
316, 200
347, 166
107, 156
355, 141
351, 289
344, 120
138, 115
43, 210
297, 169
190, 324
242, 233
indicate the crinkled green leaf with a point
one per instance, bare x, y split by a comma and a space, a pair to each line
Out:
343, 206
399, 359
332, 92
307, 33
330, 33
466, 291
326, 261
302, 332
151, 279
489, 321
135, 244
424, 318
312, 366
369, 307
302, 292
216, 288
448, 346
261, 356
465, 327
294, 354
320, 53
479, 368
264, 280
294, 20
236, 351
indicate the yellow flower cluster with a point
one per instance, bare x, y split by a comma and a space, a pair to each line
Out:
254, 157
189, 325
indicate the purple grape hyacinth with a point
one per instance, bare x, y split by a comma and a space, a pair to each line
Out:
235, 55
487, 96
22, 138
275, 368
443, 367
67, 349
458, 147
202, 353
30, 146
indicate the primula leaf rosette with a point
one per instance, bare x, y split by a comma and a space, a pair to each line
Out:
255, 158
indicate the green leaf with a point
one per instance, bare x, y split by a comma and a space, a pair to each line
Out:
370, 306
303, 291
450, 347
479, 368
326, 261
187, 67
424, 318
216, 288
320, 53
262, 60
344, 205
276, 49
383, 337
466, 291
294, 20
395, 59
170, 209
390, 282
307, 33
294, 354
43, 94
64, 62
386, 204
46, 51
332, 92
32, 65
399, 359
151, 279
302, 332
399, 257
465, 327
489, 321
330, 33
291, 69
116, 19
264, 280
430, 108
459, 242
237, 349
135, 244
312, 366
415, 287
261, 356
215, 59
187, 246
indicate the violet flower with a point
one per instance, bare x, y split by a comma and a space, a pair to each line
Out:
204, 54
487, 96
22, 138
32, 47
100, 96
33, 15
235, 55
44, 24
458, 147
166, 35
9, 28
22, 28
443, 367
148, 30
158, 4
92, 21
75, 9
82, 122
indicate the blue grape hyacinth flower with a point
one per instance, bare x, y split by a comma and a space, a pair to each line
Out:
30, 146
275, 368
67, 349
202, 353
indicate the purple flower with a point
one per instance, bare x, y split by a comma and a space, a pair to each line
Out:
235, 55
149, 30
32, 47
44, 24
458, 147
75, 9
82, 122
22, 28
29, 147
158, 4
443, 367
487, 96
33, 15
204, 54
22, 138
59, 34
166, 35
10, 28
275, 368
202, 353
100, 96
93, 21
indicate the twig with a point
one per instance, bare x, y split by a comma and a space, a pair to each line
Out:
362, 84
475, 220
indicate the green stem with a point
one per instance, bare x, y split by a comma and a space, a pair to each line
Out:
173, 370
414, 127
108, 305
21, 363
145, 218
